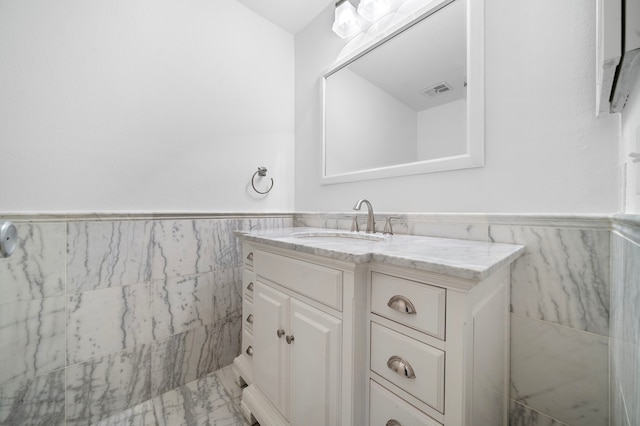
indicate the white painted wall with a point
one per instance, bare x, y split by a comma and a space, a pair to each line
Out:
545, 150
366, 127
143, 106
631, 143
442, 130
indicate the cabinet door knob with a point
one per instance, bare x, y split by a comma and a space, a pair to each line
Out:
401, 304
393, 422
249, 351
289, 339
280, 333
250, 319
401, 367
250, 286
250, 256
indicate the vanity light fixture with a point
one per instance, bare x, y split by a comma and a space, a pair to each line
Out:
372, 10
347, 22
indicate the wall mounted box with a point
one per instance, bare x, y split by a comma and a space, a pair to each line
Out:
617, 53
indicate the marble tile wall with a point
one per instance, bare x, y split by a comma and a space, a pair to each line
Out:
625, 321
100, 315
560, 298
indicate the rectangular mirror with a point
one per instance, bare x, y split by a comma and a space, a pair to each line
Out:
411, 103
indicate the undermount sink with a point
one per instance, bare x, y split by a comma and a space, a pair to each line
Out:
340, 235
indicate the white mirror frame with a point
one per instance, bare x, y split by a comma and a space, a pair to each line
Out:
474, 156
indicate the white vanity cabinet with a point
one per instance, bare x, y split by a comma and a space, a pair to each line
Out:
401, 331
307, 363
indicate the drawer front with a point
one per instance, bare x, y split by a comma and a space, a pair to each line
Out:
247, 314
416, 305
248, 283
247, 345
384, 407
395, 356
314, 281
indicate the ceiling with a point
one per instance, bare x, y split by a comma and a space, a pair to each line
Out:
291, 15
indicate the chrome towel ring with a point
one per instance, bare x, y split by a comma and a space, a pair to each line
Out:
262, 171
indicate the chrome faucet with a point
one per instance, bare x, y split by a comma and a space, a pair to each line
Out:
371, 223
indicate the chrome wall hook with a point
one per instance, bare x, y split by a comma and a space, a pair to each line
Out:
262, 172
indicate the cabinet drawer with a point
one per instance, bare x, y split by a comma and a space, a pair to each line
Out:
315, 281
417, 305
247, 344
248, 283
247, 314
385, 406
390, 349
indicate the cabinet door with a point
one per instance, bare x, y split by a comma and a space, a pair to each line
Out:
270, 352
315, 366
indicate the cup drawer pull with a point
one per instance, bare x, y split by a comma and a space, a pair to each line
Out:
250, 319
250, 351
401, 304
393, 422
401, 367
250, 286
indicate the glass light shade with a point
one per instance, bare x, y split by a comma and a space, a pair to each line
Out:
372, 10
346, 22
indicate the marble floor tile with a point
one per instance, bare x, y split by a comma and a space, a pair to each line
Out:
36, 401
181, 304
140, 415
563, 276
108, 254
560, 372
37, 267
226, 376
521, 415
105, 321
32, 338
204, 402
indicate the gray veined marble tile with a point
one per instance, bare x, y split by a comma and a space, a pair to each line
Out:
140, 415
227, 377
560, 372
227, 337
182, 247
36, 401
199, 403
521, 415
101, 322
227, 293
563, 277
181, 304
462, 231
108, 254
626, 328
31, 338
103, 387
227, 247
182, 358
36, 269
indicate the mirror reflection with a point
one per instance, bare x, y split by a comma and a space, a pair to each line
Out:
404, 101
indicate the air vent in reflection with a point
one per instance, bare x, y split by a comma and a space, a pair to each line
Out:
436, 89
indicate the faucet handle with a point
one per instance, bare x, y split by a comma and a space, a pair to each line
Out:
354, 224
388, 230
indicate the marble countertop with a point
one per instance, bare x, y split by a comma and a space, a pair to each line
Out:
473, 260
